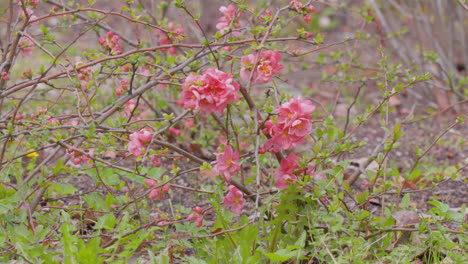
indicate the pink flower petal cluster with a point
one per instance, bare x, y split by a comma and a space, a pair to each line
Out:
129, 107
305, 11
227, 163
123, 86
267, 66
234, 200
267, 15
111, 43
156, 160
138, 141
164, 38
27, 74
4, 76
284, 176
26, 46
211, 92
293, 124
30, 14
29, 3
175, 132
229, 20
84, 76
158, 193
79, 158
196, 216
189, 123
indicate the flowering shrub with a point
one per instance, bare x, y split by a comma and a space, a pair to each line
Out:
145, 132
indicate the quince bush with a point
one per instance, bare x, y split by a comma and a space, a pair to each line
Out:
128, 135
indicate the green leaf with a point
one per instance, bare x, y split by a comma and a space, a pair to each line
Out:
282, 254
405, 201
107, 221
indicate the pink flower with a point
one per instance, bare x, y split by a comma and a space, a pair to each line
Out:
308, 35
144, 136
123, 86
310, 9
111, 43
159, 193
227, 163
126, 68
164, 38
293, 124
79, 158
296, 115
211, 92
295, 4
136, 148
229, 19
151, 183
189, 123
19, 116
284, 176
145, 70
30, 13
305, 11
32, 3
26, 46
27, 74
267, 15
174, 131
196, 216
129, 107
268, 65
5, 76
138, 141
156, 160
234, 199
84, 76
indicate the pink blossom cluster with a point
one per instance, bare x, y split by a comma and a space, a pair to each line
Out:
234, 200
26, 46
27, 74
111, 43
4, 76
293, 124
29, 3
284, 176
129, 107
156, 160
268, 65
175, 132
30, 14
79, 158
84, 76
229, 20
211, 92
267, 15
123, 86
305, 11
227, 163
138, 141
157, 193
164, 38
197, 216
